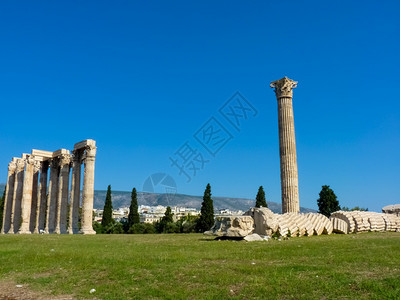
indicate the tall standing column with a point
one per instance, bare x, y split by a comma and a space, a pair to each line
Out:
75, 192
52, 197
27, 195
17, 196
287, 145
62, 197
35, 196
88, 190
42, 195
8, 199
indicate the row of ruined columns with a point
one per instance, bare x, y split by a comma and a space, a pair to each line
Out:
35, 203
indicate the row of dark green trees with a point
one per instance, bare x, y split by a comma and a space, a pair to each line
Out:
132, 224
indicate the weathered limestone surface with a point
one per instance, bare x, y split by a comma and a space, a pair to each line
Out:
362, 221
392, 209
17, 197
254, 237
27, 195
267, 223
88, 187
233, 226
287, 145
32, 206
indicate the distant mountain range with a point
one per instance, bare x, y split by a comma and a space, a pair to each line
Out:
123, 199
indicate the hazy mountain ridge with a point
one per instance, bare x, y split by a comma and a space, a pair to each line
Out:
123, 199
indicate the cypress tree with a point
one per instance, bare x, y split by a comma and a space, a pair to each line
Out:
168, 216
133, 216
166, 221
260, 198
327, 201
206, 220
107, 212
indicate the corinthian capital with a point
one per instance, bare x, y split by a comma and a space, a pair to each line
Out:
37, 166
90, 151
284, 87
20, 165
65, 159
12, 166
30, 159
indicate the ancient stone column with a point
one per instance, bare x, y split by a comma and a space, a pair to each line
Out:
27, 195
8, 200
52, 197
88, 189
75, 192
17, 196
62, 197
42, 198
287, 145
34, 204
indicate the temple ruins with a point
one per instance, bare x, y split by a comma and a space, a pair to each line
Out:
36, 202
287, 145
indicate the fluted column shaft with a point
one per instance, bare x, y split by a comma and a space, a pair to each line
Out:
17, 197
27, 196
75, 193
288, 157
287, 145
52, 197
42, 198
8, 199
88, 191
62, 197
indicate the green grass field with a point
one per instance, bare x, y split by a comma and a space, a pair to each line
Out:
192, 266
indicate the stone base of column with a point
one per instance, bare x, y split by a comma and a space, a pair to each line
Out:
24, 231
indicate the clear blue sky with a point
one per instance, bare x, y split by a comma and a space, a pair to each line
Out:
141, 78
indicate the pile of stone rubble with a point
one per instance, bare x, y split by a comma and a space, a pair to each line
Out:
362, 221
263, 222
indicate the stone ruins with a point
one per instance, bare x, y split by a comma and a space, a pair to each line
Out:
33, 203
264, 222
287, 145
362, 221
392, 209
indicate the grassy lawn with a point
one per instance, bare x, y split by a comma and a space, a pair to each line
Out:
193, 266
